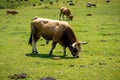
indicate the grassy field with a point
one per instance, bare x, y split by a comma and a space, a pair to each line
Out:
99, 59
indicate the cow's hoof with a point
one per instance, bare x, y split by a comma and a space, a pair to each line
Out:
34, 52
65, 54
50, 54
76, 56
55, 58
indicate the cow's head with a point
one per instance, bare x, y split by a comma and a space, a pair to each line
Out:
71, 17
75, 49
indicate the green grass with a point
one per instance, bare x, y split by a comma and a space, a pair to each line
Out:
99, 59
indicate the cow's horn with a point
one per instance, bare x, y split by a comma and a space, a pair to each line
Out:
83, 43
73, 45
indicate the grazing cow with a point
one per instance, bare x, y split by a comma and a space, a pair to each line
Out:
89, 4
13, 12
57, 31
67, 12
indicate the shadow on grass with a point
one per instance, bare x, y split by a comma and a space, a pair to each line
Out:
48, 56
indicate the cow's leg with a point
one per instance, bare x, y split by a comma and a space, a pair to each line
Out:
63, 16
34, 49
47, 41
34, 40
53, 46
64, 49
60, 16
67, 17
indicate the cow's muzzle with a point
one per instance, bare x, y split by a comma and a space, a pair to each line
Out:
75, 55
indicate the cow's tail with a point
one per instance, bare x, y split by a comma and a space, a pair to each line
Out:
60, 13
34, 35
60, 16
30, 39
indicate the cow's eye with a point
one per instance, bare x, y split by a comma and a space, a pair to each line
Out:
75, 50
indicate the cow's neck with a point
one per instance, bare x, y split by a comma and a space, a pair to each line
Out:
68, 38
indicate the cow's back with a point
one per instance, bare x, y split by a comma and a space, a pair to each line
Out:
49, 29
53, 30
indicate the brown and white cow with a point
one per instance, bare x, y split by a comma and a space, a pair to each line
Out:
13, 12
57, 31
67, 12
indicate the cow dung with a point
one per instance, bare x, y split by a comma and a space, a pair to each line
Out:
55, 58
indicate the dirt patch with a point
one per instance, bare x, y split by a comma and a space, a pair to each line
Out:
109, 34
82, 65
88, 14
110, 58
72, 65
103, 40
18, 76
101, 63
47, 78
119, 61
91, 63
42, 44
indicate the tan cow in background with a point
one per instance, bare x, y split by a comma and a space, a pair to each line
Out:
65, 11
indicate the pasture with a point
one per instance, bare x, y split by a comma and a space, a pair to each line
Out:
99, 59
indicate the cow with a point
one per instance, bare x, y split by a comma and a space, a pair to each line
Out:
67, 12
89, 4
13, 12
56, 31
